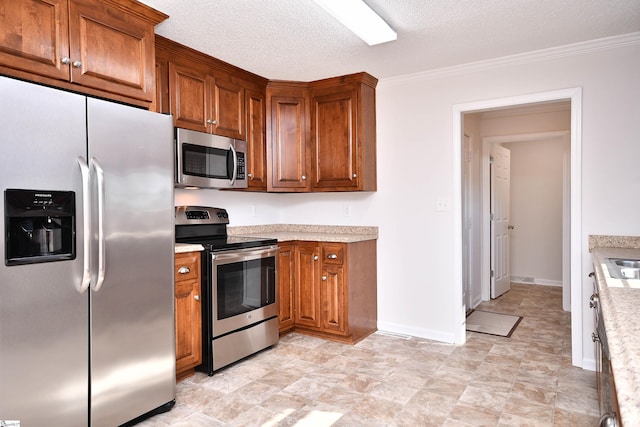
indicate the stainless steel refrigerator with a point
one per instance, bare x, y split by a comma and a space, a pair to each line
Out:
86, 270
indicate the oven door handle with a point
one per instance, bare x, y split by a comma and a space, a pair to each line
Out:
244, 254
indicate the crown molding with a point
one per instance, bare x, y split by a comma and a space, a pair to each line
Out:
605, 43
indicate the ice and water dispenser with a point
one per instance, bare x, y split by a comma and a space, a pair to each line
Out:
39, 226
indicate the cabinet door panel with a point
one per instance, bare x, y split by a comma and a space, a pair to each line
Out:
190, 98
229, 109
307, 297
332, 296
286, 275
288, 144
256, 143
116, 50
333, 129
188, 316
34, 36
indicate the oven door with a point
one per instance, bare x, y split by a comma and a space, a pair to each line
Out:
244, 287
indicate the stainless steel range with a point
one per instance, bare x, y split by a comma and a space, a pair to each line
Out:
239, 307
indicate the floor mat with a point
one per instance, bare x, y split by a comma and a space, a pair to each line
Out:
485, 322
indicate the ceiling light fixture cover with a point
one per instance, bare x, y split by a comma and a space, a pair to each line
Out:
361, 19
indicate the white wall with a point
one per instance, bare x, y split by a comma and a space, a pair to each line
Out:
536, 209
415, 167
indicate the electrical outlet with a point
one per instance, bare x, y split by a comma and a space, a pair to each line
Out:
442, 205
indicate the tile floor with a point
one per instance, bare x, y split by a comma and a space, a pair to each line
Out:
525, 380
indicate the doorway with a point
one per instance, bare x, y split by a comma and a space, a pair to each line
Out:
574, 96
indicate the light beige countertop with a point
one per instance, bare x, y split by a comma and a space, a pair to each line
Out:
620, 302
181, 248
315, 233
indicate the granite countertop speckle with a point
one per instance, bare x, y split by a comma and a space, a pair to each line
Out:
317, 233
181, 248
620, 300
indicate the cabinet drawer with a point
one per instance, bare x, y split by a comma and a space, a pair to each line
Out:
187, 266
333, 253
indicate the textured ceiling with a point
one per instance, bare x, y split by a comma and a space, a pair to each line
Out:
298, 40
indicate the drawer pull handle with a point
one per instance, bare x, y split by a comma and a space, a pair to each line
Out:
332, 256
184, 270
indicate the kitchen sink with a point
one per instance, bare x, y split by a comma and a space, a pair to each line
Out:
621, 268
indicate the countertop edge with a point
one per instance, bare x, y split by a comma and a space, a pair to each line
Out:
320, 233
181, 248
619, 300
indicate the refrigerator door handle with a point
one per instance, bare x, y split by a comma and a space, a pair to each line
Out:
101, 240
86, 226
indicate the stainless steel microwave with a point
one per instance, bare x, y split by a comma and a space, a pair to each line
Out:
209, 161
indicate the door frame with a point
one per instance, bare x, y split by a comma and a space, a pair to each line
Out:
485, 280
575, 96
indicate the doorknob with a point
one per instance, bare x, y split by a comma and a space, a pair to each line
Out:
510, 227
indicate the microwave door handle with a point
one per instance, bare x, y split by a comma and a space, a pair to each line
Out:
101, 240
86, 226
235, 164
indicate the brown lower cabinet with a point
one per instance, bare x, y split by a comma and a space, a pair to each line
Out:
328, 289
188, 313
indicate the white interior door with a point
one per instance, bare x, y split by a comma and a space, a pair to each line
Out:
500, 214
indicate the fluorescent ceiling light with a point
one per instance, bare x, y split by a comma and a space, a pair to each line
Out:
361, 19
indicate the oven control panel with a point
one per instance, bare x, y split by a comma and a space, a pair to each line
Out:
186, 215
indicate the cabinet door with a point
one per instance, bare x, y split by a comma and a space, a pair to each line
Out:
34, 36
190, 93
307, 295
111, 50
256, 143
286, 275
334, 138
188, 313
228, 109
332, 297
288, 150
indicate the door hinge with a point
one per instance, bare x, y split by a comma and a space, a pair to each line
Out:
493, 273
490, 217
491, 160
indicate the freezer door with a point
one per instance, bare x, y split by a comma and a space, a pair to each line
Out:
132, 323
43, 317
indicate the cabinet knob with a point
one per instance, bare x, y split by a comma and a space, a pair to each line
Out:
77, 64
594, 337
212, 122
250, 175
184, 270
324, 277
355, 175
196, 297
304, 177
315, 257
332, 256
66, 60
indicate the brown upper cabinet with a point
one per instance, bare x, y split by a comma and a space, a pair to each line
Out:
208, 95
99, 47
322, 135
301, 136
343, 133
288, 151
